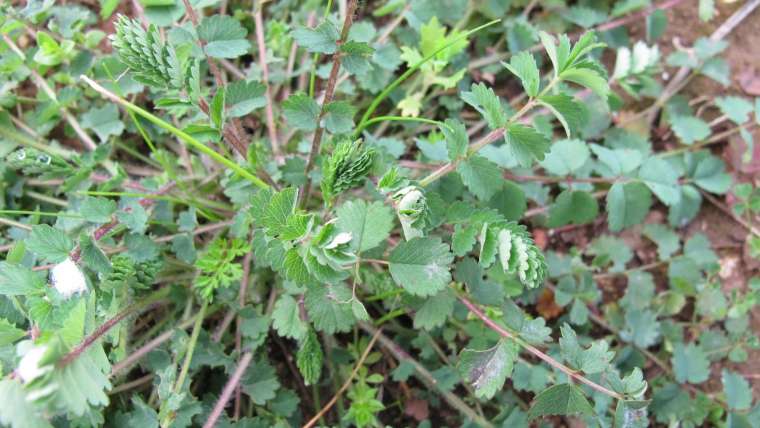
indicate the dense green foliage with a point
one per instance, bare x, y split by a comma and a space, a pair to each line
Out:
251, 215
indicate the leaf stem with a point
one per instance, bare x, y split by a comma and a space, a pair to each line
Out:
535, 351
377, 119
182, 135
229, 388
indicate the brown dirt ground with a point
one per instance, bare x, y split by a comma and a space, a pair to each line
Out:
728, 237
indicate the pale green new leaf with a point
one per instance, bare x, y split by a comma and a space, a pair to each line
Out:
421, 265
523, 65
562, 399
588, 78
487, 370
369, 224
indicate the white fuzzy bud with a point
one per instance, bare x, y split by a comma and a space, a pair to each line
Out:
29, 367
68, 279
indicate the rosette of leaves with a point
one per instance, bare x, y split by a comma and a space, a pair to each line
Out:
151, 60
133, 275
518, 254
345, 168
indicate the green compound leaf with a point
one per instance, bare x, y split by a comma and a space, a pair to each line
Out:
690, 129
421, 265
690, 364
329, 308
737, 109
566, 157
737, 390
286, 318
563, 399
662, 180
435, 310
573, 207
487, 370
570, 113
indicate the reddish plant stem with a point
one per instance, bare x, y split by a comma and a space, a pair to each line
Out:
239, 324
108, 325
229, 387
329, 92
261, 43
535, 351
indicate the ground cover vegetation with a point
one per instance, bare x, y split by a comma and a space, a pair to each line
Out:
374, 213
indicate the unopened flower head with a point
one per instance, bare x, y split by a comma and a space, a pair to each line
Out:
68, 279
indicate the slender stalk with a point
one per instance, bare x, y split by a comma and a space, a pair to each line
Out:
229, 387
316, 142
425, 376
378, 119
188, 358
108, 325
261, 44
347, 383
187, 138
535, 351
42, 213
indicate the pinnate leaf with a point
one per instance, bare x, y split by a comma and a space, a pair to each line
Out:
562, 399
421, 265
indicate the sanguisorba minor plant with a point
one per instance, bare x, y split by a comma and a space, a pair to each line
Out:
279, 211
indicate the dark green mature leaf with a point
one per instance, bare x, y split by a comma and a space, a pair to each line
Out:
481, 176
456, 137
570, 113
573, 207
631, 414
339, 117
286, 318
562, 399
523, 65
322, 39
244, 97
566, 157
690, 364
627, 205
484, 100
369, 224
487, 370
281, 206
49, 244
301, 111
526, 144
224, 36
329, 307
690, 129
421, 265
662, 180
737, 390
97, 210
356, 56
309, 358
435, 311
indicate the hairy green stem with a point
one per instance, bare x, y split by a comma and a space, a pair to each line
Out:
378, 119
182, 135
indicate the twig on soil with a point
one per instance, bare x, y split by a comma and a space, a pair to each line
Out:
262, 47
